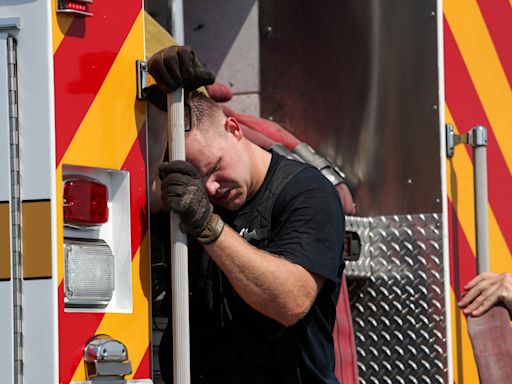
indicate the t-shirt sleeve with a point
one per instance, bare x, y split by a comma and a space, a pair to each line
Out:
308, 225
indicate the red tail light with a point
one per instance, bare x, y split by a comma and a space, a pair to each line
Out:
80, 7
85, 202
76, 6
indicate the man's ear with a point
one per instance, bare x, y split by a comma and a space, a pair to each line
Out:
232, 126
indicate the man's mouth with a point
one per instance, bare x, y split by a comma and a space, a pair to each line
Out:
224, 196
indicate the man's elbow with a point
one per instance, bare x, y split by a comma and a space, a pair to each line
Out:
295, 312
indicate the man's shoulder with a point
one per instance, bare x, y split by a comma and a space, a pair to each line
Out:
307, 179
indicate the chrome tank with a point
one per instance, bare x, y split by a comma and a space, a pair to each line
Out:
357, 80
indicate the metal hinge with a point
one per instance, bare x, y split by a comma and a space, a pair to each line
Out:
17, 260
141, 78
477, 137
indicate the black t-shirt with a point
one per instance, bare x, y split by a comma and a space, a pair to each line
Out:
233, 343
307, 228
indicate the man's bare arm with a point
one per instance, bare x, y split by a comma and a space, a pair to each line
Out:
272, 285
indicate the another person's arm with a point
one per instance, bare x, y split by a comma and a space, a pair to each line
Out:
485, 291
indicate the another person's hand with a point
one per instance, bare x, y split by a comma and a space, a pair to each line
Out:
486, 290
183, 191
177, 66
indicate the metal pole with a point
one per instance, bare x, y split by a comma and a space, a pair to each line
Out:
179, 251
177, 25
479, 144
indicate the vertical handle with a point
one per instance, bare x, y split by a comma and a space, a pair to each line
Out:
479, 144
477, 138
179, 251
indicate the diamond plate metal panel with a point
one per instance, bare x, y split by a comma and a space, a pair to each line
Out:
398, 311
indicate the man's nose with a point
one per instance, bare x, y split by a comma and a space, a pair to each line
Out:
211, 186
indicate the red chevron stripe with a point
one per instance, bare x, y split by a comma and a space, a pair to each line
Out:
77, 328
74, 331
498, 17
144, 369
467, 111
136, 164
87, 44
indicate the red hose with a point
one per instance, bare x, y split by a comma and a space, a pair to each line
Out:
256, 137
270, 129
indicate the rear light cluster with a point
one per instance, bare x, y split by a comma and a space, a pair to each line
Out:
97, 247
89, 273
85, 202
74, 6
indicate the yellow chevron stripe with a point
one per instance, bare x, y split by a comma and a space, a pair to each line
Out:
60, 25
464, 370
485, 69
108, 132
460, 181
132, 329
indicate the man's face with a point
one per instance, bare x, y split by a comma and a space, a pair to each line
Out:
221, 163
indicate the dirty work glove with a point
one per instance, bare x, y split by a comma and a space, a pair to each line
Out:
183, 192
156, 96
177, 66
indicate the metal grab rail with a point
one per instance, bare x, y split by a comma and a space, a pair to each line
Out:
179, 251
477, 138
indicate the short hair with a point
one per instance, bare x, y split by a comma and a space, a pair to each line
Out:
201, 112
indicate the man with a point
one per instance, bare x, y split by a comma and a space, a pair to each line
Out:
263, 297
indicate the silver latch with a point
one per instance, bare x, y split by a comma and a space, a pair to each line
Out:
141, 78
106, 358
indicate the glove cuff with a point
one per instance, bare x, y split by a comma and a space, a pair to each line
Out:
212, 230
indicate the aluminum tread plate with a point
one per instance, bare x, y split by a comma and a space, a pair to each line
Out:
398, 309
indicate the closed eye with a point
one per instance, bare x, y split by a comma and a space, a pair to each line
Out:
214, 168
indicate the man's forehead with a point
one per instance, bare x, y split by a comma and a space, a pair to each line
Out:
200, 153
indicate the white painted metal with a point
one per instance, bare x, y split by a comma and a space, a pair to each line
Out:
37, 157
444, 187
35, 82
36, 302
6, 333
5, 176
179, 251
6, 297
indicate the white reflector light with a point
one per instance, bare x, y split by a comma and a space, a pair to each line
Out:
88, 273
